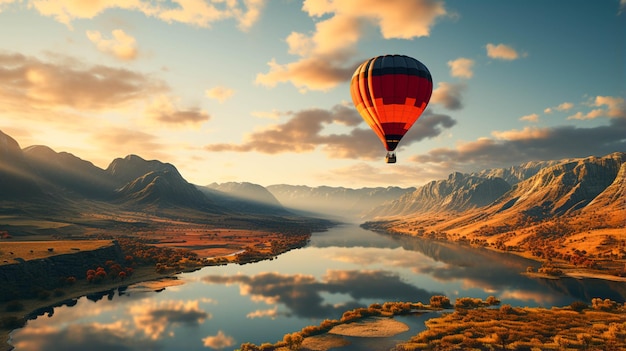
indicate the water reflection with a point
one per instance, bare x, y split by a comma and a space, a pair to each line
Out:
218, 308
302, 294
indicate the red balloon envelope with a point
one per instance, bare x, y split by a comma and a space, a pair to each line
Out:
391, 92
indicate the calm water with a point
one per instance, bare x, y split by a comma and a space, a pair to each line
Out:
218, 308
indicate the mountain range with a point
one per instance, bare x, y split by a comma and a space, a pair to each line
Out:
463, 202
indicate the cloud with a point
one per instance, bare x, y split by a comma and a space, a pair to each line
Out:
93, 336
325, 54
219, 341
121, 46
449, 95
397, 19
302, 294
63, 82
615, 105
154, 318
164, 110
220, 93
405, 174
461, 67
533, 117
192, 12
122, 141
502, 52
303, 133
517, 146
622, 7
272, 313
566, 106
299, 134
4, 3
611, 107
313, 73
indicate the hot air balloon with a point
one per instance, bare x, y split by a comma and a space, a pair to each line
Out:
391, 92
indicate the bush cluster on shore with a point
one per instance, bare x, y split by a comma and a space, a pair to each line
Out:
477, 325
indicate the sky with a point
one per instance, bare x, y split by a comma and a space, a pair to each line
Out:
259, 90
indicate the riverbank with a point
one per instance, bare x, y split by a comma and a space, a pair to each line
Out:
475, 326
564, 269
79, 289
226, 246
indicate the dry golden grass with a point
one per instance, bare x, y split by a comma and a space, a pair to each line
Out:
515, 328
30, 250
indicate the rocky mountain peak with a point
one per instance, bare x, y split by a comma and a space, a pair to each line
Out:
131, 167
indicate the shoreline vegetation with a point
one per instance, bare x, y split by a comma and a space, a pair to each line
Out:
552, 267
471, 324
156, 263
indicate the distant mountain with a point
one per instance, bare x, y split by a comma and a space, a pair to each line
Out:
244, 197
17, 178
131, 167
38, 174
335, 201
565, 187
69, 173
247, 191
460, 192
162, 189
516, 174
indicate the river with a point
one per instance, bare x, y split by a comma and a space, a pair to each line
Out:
218, 308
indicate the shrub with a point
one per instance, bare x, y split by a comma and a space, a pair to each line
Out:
440, 301
492, 301
578, 306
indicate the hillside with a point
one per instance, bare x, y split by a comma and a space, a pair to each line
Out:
49, 193
460, 192
573, 210
245, 197
335, 201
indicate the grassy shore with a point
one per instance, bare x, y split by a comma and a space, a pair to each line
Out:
473, 325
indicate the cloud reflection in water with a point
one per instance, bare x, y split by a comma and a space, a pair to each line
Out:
302, 293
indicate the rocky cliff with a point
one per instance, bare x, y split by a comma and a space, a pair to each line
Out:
459, 192
26, 278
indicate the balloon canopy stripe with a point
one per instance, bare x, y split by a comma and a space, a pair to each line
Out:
391, 92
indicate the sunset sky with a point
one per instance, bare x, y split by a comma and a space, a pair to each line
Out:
258, 90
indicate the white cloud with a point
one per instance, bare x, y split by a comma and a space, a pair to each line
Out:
449, 95
271, 313
324, 54
566, 106
122, 45
219, 341
220, 93
533, 117
502, 52
461, 67
165, 109
193, 12
615, 108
